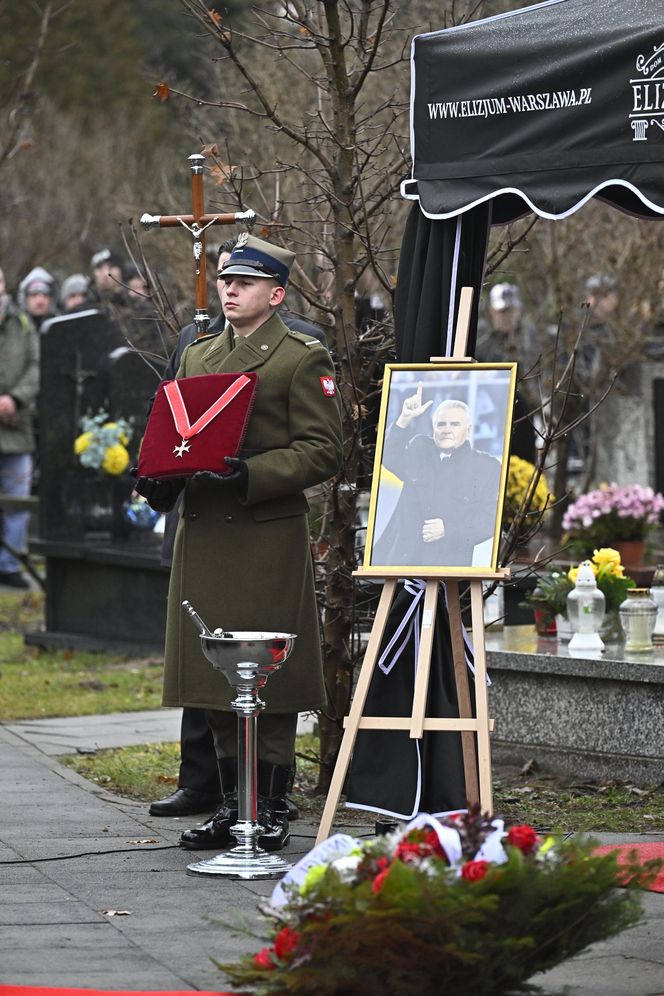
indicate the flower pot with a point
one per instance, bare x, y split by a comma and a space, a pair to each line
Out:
545, 624
631, 551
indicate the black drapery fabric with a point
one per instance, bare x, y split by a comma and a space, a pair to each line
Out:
389, 772
540, 109
432, 254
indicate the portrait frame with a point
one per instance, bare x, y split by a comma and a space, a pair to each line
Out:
442, 516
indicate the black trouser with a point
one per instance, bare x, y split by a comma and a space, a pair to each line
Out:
276, 735
198, 765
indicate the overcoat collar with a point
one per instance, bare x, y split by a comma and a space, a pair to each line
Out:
249, 352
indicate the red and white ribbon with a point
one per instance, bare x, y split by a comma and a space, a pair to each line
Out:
179, 412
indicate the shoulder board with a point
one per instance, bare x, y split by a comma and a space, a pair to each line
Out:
302, 337
205, 338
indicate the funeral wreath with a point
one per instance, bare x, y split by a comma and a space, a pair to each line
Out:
440, 908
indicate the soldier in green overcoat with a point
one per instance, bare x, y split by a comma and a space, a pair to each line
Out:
242, 555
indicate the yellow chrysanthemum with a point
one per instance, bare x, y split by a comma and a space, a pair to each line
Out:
82, 442
116, 459
606, 555
519, 475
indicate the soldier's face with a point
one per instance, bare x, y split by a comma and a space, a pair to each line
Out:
452, 428
248, 301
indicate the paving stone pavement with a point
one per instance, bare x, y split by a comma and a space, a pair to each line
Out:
70, 853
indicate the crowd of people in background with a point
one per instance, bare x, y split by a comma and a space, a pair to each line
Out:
114, 286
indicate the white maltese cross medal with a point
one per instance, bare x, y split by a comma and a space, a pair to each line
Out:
183, 448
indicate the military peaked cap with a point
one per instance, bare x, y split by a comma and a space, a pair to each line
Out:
254, 257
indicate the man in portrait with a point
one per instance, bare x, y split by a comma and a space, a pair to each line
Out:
450, 491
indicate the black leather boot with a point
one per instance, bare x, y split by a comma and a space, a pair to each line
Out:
272, 809
216, 832
293, 811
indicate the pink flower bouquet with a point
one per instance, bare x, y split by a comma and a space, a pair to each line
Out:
613, 513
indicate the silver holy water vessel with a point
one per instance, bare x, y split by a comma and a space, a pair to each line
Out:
247, 660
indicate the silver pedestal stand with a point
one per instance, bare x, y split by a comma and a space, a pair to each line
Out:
247, 660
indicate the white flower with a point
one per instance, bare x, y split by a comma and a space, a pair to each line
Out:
346, 867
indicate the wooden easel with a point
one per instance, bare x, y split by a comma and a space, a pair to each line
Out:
474, 730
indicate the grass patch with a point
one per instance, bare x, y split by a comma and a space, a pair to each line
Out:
550, 802
35, 683
151, 771
546, 801
146, 773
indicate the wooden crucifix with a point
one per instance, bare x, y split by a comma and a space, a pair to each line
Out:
196, 224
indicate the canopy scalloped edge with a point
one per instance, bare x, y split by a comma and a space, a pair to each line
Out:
530, 204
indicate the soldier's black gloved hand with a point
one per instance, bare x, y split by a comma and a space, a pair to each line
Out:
237, 479
160, 495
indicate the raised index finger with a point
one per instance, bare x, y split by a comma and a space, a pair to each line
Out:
418, 393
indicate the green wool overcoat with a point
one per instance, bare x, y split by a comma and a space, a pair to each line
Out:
243, 560
19, 376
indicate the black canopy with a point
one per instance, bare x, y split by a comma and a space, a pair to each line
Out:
541, 109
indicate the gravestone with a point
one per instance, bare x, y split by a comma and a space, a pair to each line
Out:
105, 587
630, 441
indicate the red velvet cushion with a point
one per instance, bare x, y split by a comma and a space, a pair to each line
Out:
208, 447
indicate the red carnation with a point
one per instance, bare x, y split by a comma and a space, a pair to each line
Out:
407, 851
434, 843
473, 871
264, 959
286, 942
523, 837
377, 883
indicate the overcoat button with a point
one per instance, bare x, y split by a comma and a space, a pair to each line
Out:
192, 515
229, 518
265, 347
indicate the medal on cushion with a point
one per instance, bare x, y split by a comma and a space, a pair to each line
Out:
183, 448
185, 429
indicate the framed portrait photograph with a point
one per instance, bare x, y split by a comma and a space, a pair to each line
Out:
440, 469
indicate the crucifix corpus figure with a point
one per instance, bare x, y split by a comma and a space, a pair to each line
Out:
197, 224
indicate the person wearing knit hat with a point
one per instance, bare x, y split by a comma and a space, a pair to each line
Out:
106, 268
74, 293
36, 295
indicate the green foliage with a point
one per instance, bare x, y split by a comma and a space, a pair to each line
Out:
429, 932
552, 590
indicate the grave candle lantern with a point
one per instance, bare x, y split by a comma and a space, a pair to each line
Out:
638, 614
585, 610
